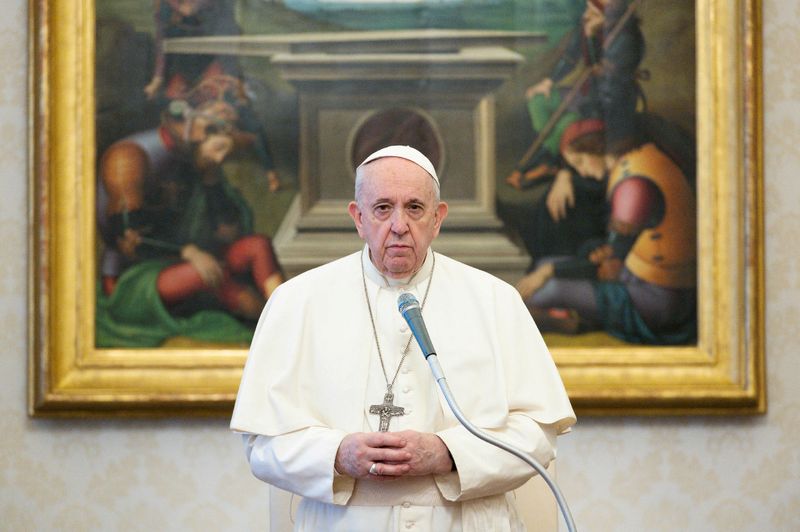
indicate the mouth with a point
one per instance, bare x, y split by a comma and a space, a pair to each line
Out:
398, 247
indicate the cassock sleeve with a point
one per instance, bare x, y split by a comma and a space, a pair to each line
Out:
300, 462
483, 469
537, 409
297, 348
290, 441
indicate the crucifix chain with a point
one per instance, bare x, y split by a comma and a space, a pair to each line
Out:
388, 409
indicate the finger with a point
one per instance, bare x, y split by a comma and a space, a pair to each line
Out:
551, 208
559, 212
564, 207
391, 470
384, 439
388, 454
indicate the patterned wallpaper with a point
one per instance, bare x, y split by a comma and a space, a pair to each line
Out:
700, 474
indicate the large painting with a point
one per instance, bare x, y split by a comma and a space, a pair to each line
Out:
202, 152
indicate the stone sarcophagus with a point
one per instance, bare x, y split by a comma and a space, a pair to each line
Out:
360, 91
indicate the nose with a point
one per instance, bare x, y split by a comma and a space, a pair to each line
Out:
399, 222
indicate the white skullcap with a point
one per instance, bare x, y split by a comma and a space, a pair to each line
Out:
408, 153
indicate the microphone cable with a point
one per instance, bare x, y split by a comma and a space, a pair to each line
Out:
408, 305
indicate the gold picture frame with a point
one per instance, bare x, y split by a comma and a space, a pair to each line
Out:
722, 374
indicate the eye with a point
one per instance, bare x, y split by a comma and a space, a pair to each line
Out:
416, 209
382, 209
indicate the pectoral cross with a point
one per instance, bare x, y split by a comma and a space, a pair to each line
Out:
386, 411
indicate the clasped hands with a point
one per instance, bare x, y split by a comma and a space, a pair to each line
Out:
395, 455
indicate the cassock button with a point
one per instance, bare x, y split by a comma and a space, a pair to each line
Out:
403, 328
406, 504
406, 389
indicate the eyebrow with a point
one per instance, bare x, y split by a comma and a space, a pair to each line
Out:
389, 200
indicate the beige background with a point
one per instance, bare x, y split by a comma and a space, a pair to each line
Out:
717, 474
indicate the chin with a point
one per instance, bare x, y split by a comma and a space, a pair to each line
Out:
400, 270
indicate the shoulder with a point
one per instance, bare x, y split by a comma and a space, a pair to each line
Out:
310, 295
645, 162
324, 278
126, 149
122, 162
136, 147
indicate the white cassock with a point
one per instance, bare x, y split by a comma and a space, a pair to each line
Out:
313, 371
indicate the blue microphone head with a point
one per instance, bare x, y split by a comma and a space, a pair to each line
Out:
406, 301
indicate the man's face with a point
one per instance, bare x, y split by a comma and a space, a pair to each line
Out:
212, 151
397, 214
586, 164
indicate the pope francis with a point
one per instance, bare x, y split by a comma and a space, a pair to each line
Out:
338, 406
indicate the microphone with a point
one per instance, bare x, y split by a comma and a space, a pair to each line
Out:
408, 305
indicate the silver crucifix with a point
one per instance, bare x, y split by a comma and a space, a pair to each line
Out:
386, 411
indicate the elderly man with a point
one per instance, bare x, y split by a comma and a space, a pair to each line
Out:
337, 405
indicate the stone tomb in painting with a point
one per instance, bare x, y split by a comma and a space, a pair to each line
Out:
360, 91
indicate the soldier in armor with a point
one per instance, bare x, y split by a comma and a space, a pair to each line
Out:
638, 283
178, 237
600, 66
176, 76
595, 77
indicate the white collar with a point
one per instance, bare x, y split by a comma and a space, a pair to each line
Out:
383, 281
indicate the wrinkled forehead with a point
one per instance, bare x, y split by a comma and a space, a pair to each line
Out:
394, 181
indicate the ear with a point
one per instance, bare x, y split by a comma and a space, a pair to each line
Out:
439, 215
355, 214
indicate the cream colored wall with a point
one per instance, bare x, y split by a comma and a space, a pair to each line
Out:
618, 474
